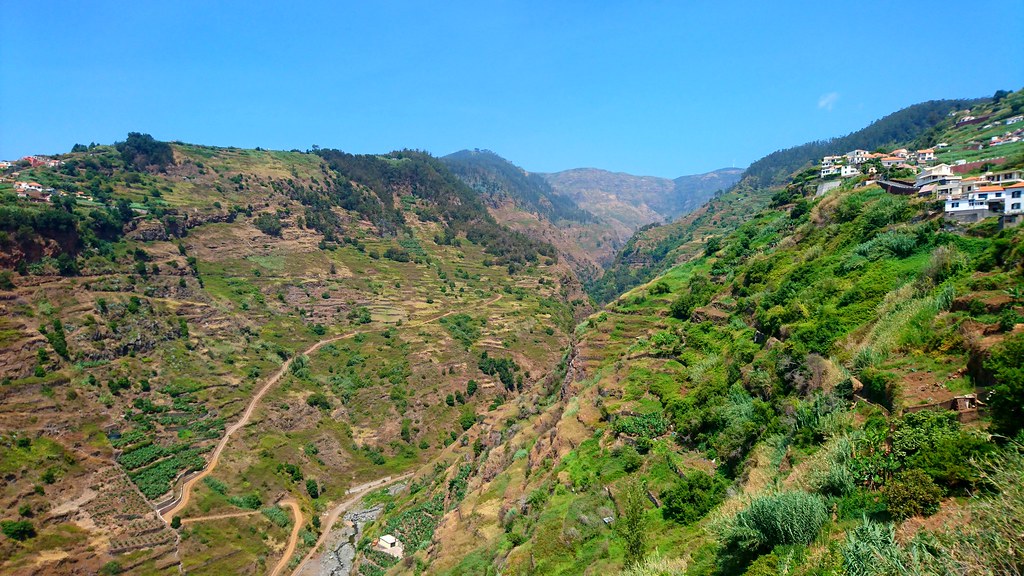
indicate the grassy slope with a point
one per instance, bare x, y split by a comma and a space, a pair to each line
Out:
251, 300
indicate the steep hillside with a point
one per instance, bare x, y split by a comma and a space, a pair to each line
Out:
782, 399
286, 324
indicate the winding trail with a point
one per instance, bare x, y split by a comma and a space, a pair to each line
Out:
294, 539
175, 506
357, 493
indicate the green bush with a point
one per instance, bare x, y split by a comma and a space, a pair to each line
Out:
19, 530
645, 425
249, 501
912, 493
693, 496
1006, 402
268, 223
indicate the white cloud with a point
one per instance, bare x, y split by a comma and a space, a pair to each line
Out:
827, 101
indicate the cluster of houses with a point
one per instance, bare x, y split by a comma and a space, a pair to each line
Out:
850, 164
994, 194
31, 191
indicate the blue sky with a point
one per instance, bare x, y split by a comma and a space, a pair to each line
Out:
657, 88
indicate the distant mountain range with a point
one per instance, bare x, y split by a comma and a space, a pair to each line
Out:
632, 202
586, 213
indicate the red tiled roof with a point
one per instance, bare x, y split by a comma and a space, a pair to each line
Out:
990, 189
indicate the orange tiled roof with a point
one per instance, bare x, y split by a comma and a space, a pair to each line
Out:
990, 189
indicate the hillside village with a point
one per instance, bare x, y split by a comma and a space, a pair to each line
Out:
970, 190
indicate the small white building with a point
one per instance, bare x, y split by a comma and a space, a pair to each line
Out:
942, 176
926, 155
831, 160
829, 171
890, 161
848, 171
858, 156
1015, 119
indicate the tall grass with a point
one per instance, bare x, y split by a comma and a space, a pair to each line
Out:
775, 519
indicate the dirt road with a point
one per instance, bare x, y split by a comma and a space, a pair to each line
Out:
357, 493
294, 539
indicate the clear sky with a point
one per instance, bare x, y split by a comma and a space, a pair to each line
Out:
655, 88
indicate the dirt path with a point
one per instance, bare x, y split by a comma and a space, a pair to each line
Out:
218, 516
357, 493
294, 539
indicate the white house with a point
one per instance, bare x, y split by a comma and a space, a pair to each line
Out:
1015, 119
983, 202
926, 155
1005, 176
848, 171
831, 160
901, 153
857, 156
890, 161
829, 171
1014, 212
942, 176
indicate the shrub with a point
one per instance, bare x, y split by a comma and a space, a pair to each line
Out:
19, 530
776, 519
319, 400
645, 425
912, 493
1007, 398
249, 501
693, 496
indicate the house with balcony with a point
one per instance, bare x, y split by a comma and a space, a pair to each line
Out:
848, 171
858, 156
925, 156
827, 171
831, 160
941, 179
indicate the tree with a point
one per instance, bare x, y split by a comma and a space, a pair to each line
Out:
468, 417
268, 223
633, 526
176, 522
1007, 399
19, 530
140, 151
313, 488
